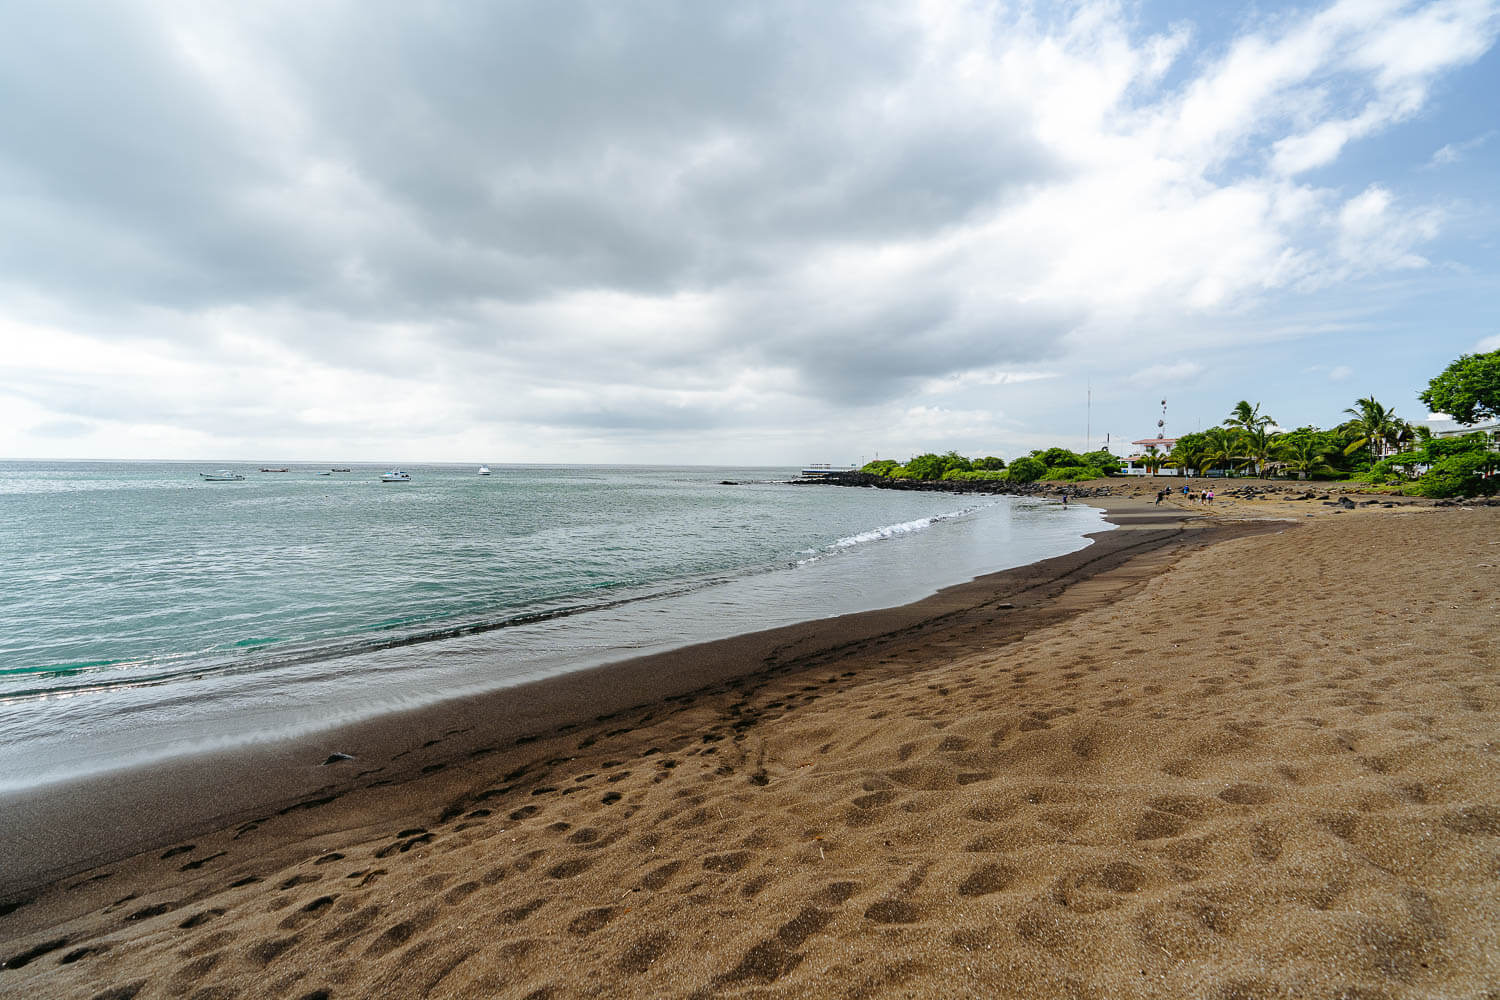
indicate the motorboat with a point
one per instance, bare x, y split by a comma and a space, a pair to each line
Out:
222, 476
396, 476
273, 470
484, 470
338, 470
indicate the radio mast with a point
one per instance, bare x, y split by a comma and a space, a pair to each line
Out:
1088, 420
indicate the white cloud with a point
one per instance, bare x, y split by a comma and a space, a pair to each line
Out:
1340, 373
1488, 344
1454, 152
1376, 235
970, 379
466, 233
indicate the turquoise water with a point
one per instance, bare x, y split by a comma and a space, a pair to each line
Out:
144, 611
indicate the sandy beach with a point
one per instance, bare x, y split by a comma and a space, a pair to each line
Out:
1232, 752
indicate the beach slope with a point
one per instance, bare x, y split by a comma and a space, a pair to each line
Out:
1248, 763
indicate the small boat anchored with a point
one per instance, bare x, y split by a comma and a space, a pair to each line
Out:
222, 476
395, 476
484, 470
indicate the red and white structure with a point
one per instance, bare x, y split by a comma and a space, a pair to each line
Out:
1157, 447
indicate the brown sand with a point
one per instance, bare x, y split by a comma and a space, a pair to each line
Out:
1214, 762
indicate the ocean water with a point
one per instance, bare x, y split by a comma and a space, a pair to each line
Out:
146, 613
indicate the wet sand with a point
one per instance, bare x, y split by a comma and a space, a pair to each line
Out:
1241, 752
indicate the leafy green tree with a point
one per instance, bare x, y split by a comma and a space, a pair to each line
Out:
882, 467
989, 463
1153, 459
1105, 461
953, 460
1026, 469
1468, 390
926, 466
1247, 418
1437, 448
1059, 457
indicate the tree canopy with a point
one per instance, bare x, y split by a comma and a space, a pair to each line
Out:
1468, 390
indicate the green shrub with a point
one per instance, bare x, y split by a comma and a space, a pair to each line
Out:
1102, 460
976, 475
1059, 458
1459, 476
1025, 470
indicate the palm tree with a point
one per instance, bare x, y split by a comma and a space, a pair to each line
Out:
1258, 446
1221, 448
1305, 456
1247, 418
1371, 425
1152, 459
1187, 454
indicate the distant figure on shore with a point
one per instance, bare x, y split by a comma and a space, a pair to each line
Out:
1159, 495
1208, 496
1186, 490
1065, 499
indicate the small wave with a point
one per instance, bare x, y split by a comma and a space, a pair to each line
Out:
258, 655
887, 531
61, 669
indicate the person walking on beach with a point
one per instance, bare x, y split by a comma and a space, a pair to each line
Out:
1065, 498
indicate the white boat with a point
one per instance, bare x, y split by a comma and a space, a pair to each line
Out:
396, 476
222, 476
484, 470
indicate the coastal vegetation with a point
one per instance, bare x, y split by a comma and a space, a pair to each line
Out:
1374, 446
1057, 464
1468, 390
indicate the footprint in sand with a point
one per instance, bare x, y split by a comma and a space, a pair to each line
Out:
644, 952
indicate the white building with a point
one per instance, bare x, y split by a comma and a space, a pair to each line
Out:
1444, 426
1159, 447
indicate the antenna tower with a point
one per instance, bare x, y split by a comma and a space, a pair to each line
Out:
1161, 424
1088, 420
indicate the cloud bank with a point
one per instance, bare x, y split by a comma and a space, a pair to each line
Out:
663, 228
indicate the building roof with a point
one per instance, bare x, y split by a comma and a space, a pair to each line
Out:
1452, 428
1156, 441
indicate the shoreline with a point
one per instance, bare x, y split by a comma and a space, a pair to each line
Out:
1222, 758
64, 724
69, 826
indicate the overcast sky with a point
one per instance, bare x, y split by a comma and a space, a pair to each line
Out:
764, 233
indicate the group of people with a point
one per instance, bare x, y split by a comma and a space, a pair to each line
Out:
1203, 496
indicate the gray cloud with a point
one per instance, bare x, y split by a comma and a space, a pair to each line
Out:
507, 152
645, 218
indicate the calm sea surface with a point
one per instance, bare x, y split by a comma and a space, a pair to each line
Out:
146, 613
